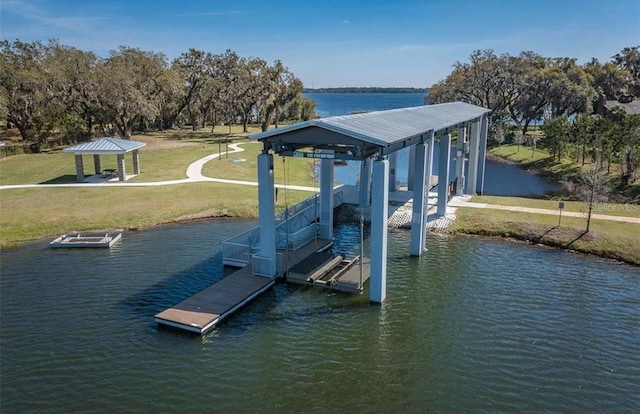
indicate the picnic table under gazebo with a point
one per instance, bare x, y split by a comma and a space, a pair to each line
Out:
106, 146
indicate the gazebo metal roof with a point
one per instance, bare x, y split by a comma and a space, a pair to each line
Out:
361, 135
107, 145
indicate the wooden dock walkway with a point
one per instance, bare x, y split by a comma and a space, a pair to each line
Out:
207, 308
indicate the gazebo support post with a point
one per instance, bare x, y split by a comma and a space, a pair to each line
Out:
122, 173
96, 164
79, 168
136, 161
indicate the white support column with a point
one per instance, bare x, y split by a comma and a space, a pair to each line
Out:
393, 166
326, 199
462, 132
411, 168
427, 176
379, 213
418, 222
266, 216
365, 182
443, 174
482, 154
474, 140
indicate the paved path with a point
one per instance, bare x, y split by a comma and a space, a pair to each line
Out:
458, 202
194, 175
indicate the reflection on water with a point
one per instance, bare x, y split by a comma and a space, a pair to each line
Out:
474, 325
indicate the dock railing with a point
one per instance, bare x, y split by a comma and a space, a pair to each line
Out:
238, 250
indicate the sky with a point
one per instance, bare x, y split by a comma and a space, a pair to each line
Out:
336, 43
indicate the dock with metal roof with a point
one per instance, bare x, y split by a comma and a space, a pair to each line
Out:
274, 249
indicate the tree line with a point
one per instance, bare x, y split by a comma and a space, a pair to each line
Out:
567, 98
55, 89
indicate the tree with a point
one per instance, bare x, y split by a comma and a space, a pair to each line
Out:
629, 60
488, 80
594, 189
533, 98
556, 135
570, 92
74, 84
608, 79
130, 86
26, 89
191, 68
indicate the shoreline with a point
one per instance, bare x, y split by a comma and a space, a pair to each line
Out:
510, 237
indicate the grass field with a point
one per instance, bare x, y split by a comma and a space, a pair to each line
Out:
29, 214
541, 161
608, 239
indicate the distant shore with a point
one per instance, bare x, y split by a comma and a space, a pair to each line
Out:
368, 89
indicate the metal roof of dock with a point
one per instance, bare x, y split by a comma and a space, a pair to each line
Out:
107, 145
367, 133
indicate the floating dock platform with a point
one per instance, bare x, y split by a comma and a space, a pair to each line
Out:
87, 239
333, 272
207, 308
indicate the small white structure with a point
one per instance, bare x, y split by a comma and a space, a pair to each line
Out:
106, 146
373, 138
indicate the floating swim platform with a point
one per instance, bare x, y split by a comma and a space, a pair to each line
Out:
87, 239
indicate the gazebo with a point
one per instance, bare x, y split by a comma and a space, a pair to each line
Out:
106, 146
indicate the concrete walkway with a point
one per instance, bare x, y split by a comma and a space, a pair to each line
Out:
194, 175
460, 202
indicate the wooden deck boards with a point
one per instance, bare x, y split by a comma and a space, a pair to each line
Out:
208, 307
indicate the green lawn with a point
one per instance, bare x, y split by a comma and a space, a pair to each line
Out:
298, 171
610, 239
29, 214
539, 160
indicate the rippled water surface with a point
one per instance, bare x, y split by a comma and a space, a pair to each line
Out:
474, 325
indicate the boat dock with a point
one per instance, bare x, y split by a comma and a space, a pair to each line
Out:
204, 310
334, 272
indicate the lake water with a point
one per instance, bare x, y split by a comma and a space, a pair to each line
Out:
475, 325
333, 104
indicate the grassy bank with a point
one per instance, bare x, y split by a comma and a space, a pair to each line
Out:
610, 209
540, 161
609, 239
30, 214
